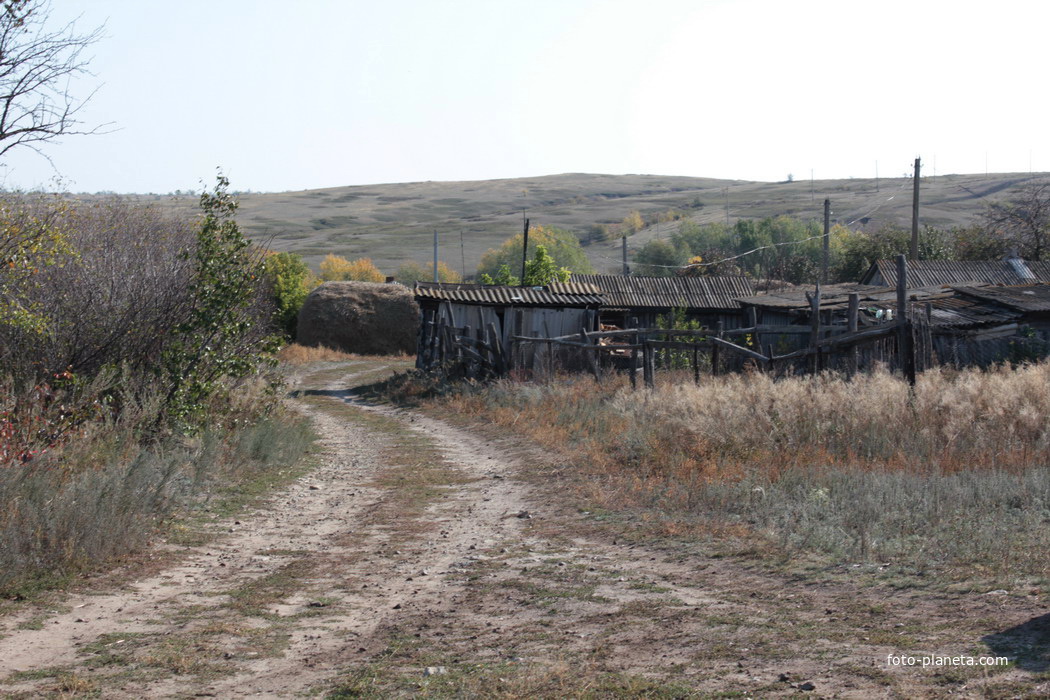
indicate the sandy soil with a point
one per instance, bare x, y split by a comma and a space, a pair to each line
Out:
488, 564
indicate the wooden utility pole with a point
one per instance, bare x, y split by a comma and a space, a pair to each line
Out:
914, 252
626, 270
462, 254
436, 256
827, 242
524, 252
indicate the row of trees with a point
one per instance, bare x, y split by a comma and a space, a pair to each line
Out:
789, 249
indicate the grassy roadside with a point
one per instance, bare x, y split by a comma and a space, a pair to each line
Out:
67, 523
947, 489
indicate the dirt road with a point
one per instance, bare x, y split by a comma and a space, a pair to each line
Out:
420, 558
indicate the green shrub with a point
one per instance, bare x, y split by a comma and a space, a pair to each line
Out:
291, 281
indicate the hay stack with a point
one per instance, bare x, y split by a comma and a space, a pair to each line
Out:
369, 318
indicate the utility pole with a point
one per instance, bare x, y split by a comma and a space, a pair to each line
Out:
827, 242
876, 176
436, 255
812, 192
626, 270
524, 252
914, 251
725, 191
462, 254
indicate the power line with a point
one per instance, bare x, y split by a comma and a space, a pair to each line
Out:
771, 245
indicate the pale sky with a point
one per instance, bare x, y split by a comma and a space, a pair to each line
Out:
305, 94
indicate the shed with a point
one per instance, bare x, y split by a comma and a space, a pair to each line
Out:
629, 301
984, 324
513, 311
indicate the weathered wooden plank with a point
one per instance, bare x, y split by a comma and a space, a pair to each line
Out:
593, 359
648, 369
714, 350
733, 347
844, 340
852, 319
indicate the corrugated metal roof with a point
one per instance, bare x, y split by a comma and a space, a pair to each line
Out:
660, 292
495, 295
1027, 298
928, 273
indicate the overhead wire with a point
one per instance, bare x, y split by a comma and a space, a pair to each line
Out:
764, 247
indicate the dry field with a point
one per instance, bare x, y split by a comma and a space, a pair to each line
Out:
947, 486
565, 541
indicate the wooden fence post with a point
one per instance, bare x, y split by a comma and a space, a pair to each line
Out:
905, 348
647, 364
852, 321
550, 360
752, 320
634, 360
592, 359
814, 329
714, 350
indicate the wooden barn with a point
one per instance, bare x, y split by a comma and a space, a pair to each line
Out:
481, 309
636, 302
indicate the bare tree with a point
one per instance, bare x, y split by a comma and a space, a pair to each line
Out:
37, 66
1023, 220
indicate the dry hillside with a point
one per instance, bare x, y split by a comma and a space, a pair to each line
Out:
393, 223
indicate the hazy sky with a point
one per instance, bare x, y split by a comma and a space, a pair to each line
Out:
321, 93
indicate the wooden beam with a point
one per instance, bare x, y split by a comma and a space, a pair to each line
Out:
733, 347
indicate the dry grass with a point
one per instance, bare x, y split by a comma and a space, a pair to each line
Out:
954, 478
103, 496
295, 354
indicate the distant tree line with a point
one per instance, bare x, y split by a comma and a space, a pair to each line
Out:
790, 249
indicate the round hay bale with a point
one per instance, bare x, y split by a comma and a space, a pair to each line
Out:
369, 318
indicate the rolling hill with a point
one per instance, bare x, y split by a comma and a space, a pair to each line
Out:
393, 223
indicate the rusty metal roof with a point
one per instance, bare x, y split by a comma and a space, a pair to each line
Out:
928, 273
660, 292
1026, 298
496, 295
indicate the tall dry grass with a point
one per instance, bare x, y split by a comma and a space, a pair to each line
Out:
103, 494
953, 476
295, 354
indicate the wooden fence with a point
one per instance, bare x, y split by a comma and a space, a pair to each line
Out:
478, 353
905, 344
